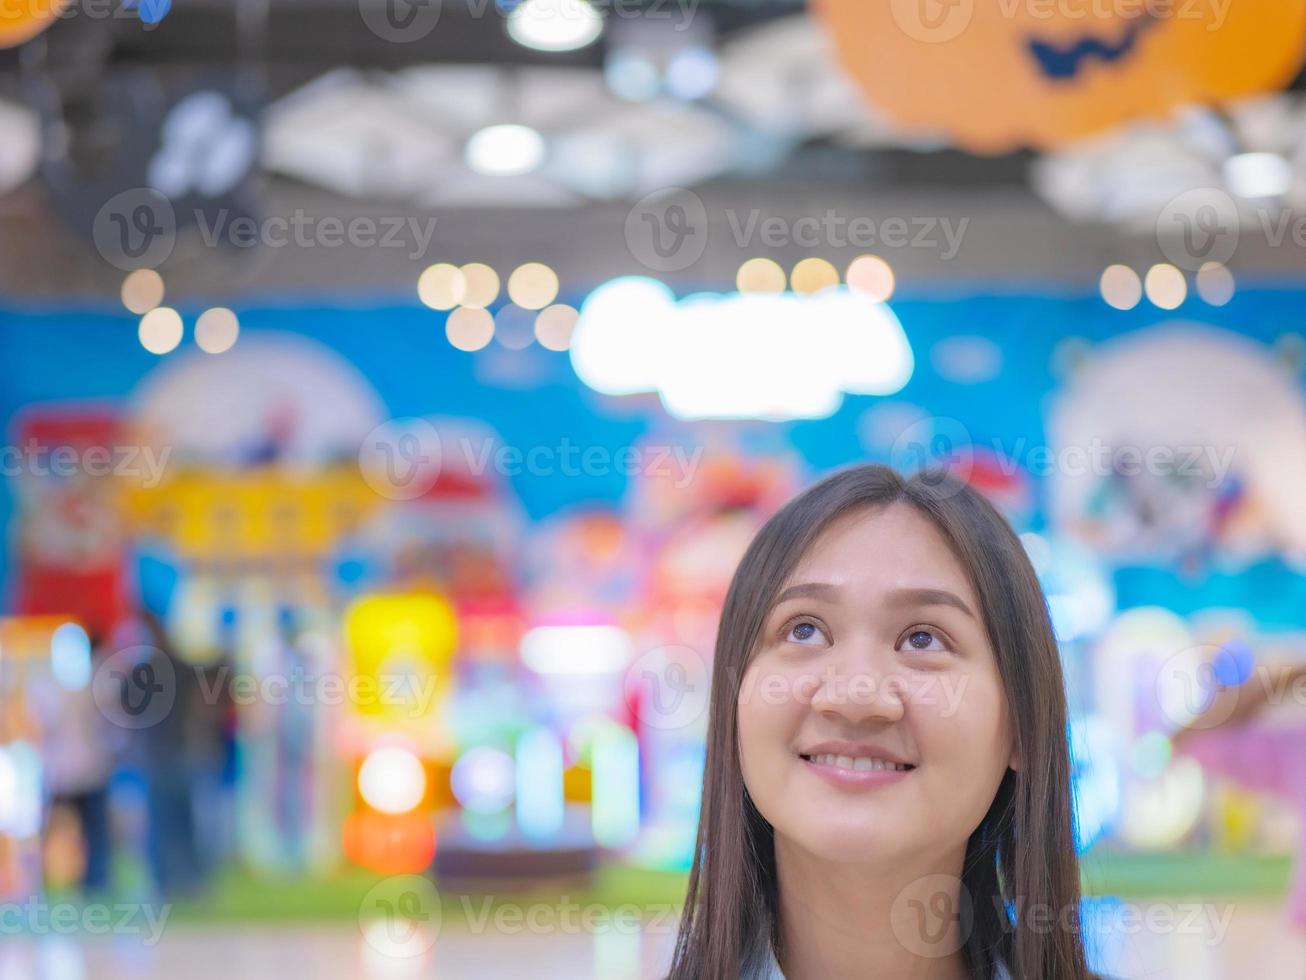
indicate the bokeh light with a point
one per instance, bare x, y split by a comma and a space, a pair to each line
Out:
1165, 286
70, 657
160, 330
480, 285
441, 286
505, 150
554, 326
469, 329
392, 780
1121, 288
142, 290
812, 275
217, 330
1215, 284
514, 327
871, 275
760, 276
484, 779
555, 25
533, 286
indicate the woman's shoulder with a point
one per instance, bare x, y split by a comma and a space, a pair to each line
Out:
769, 969
760, 963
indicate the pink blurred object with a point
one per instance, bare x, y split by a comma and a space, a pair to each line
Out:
1268, 759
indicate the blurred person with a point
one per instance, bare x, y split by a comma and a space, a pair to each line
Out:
1252, 733
78, 751
293, 735
170, 754
857, 821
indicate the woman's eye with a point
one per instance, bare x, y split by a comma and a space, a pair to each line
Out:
804, 632
924, 641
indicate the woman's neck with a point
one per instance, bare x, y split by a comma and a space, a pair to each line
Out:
842, 921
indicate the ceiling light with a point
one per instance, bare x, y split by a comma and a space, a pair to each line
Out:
555, 25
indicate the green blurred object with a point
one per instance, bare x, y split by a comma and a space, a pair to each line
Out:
240, 895
243, 896
1175, 874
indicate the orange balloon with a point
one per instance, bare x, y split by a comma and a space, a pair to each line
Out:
389, 844
22, 20
995, 75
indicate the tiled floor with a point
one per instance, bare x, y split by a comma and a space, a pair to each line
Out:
1158, 942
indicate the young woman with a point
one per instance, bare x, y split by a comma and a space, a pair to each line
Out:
887, 787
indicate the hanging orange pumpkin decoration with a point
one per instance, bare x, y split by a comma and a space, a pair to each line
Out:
22, 20
995, 75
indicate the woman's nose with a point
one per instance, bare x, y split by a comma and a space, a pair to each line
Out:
860, 684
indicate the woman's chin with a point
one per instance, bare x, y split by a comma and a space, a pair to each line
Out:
850, 840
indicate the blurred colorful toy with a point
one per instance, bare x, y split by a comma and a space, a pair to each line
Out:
395, 739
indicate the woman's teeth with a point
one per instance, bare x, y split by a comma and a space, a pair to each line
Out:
857, 765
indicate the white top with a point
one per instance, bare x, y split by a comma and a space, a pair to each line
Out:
771, 970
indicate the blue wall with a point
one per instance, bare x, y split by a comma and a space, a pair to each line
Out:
51, 353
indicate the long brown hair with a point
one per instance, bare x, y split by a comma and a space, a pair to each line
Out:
1023, 853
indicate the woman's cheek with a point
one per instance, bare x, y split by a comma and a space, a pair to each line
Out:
963, 730
770, 710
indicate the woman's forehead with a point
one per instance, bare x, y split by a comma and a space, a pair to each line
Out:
882, 544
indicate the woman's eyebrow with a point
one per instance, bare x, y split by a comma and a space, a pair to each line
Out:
808, 590
929, 597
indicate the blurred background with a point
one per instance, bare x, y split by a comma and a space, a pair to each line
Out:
390, 388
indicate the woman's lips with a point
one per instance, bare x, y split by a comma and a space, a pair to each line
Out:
856, 773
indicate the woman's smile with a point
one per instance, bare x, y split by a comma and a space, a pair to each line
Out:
855, 765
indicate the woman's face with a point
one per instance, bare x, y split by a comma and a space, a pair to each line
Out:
872, 719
